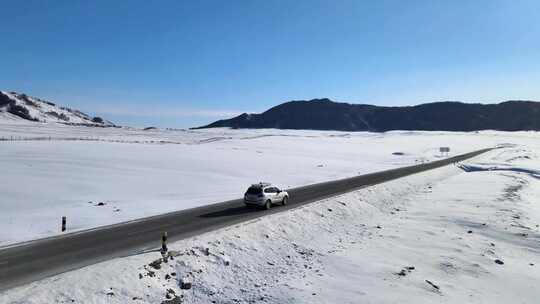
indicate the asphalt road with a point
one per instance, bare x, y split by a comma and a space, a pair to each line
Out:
30, 261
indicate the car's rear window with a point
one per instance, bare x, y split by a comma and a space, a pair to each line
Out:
254, 190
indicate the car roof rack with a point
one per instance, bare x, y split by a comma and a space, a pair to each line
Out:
261, 185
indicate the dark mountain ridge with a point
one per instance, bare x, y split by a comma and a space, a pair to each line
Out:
324, 114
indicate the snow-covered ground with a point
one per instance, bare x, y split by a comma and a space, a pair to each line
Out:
53, 170
459, 234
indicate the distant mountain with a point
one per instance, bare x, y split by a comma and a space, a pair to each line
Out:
15, 106
324, 114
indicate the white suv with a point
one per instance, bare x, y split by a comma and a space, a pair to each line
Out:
264, 195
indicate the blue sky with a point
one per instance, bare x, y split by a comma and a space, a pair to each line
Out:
187, 63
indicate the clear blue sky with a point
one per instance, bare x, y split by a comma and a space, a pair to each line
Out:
186, 63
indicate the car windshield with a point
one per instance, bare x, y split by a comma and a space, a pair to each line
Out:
254, 190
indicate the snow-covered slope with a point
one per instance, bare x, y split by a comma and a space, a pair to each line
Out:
140, 173
15, 106
451, 235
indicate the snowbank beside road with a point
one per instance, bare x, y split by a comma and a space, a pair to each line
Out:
446, 235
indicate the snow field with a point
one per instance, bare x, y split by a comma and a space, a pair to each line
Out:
430, 237
137, 173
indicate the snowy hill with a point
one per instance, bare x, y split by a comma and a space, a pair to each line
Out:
16, 106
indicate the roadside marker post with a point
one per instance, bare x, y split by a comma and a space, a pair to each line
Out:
63, 223
164, 246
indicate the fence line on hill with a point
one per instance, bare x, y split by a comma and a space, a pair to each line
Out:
50, 138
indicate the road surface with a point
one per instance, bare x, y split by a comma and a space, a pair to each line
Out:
26, 262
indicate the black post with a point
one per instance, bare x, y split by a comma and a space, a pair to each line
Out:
164, 248
63, 223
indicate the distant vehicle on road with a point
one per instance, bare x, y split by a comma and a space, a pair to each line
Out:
265, 195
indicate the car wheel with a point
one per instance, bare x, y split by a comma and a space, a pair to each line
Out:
285, 200
268, 205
